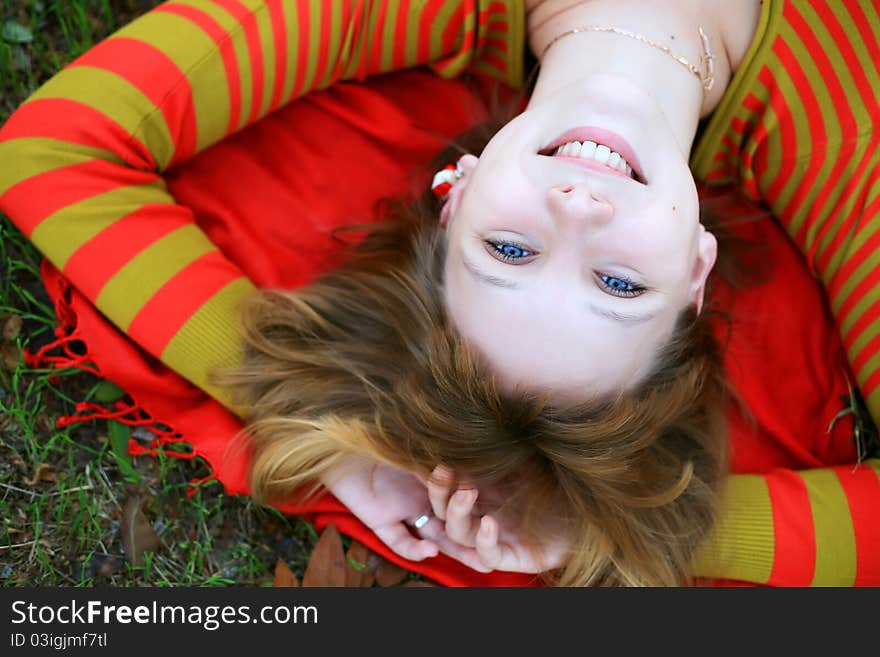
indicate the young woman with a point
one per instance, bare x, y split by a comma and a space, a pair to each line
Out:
644, 72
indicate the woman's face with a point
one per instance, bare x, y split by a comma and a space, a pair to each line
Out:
568, 275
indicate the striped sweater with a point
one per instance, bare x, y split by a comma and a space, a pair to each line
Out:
81, 166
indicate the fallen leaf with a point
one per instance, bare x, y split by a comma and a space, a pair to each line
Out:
118, 435
284, 576
360, 565
327, 563
418, 583
389, 574
43, 472
107, 391
16, 33
11, 355
138, 535
11, 327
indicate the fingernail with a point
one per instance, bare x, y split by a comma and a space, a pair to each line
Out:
485, 530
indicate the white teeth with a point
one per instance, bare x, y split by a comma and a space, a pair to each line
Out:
590, 150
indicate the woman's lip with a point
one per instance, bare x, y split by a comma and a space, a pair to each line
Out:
601, 136
592, 164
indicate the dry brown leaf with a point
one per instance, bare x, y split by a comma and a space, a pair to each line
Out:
389, 574
11, 355
360, 565
327, 563
43, 472
284, 576
138, 535
417, 583
11, 327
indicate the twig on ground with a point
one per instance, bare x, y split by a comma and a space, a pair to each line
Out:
17, 545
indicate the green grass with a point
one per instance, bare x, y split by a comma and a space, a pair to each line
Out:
66, 528
40, 36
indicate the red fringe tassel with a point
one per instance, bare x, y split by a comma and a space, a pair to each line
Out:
67, 332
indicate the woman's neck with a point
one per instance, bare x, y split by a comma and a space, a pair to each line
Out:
674, 23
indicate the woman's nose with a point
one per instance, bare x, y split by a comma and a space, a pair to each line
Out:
578, 202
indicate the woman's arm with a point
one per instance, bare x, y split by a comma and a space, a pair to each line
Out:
82, 159
809, 528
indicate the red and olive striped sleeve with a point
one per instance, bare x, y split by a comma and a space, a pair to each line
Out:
82, 158
806, 528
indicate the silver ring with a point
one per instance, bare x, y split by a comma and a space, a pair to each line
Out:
421, 521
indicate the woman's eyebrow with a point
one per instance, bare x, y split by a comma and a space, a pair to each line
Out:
623, 318
482, 276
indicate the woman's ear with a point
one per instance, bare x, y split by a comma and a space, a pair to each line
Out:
707, 252
467, 163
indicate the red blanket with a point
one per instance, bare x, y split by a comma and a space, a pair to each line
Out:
269, 197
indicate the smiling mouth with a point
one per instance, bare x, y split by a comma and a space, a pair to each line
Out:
595, 156
589, 152
597, 148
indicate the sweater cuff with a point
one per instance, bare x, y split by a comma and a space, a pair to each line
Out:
210, 340
741, 546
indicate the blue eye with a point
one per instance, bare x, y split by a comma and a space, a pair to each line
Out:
508, 251
621, 287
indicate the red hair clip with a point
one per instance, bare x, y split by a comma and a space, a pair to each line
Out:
445, 179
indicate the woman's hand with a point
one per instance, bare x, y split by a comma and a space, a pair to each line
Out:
386, 500
478, 540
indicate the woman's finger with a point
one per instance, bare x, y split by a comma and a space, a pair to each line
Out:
398, 538
439, 486
487, 546
515, 556
461, 524
436, 532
